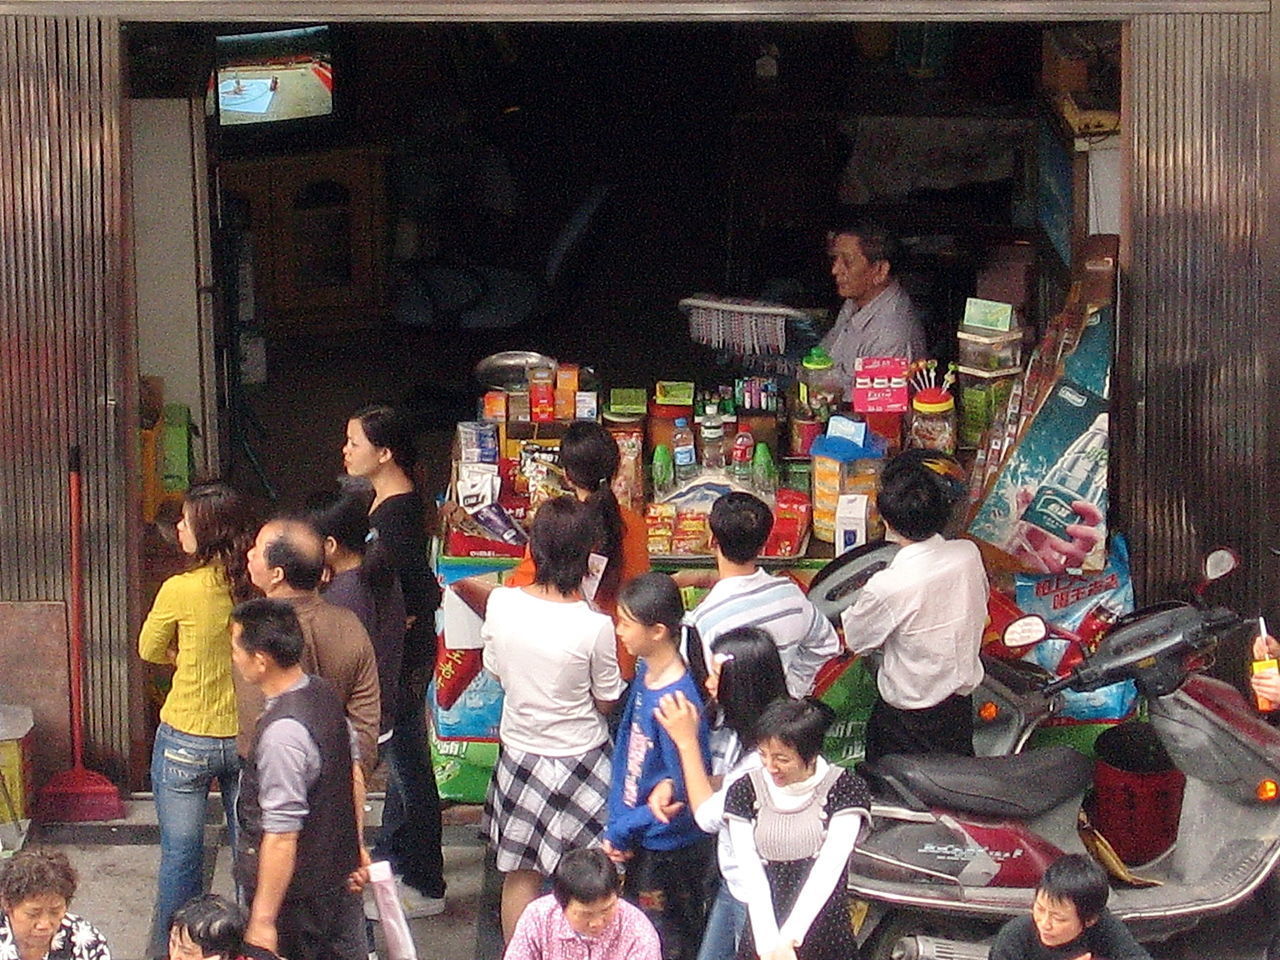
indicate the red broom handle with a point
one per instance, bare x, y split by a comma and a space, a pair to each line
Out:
77, 609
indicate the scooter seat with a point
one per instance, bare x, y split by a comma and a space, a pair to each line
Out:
1021, 785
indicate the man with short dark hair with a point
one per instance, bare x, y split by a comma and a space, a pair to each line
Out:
299, 853
286, 562
747, 596
877, 318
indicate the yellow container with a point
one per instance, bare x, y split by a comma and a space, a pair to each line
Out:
15, 761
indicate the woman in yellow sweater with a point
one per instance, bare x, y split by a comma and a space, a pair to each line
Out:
196, 739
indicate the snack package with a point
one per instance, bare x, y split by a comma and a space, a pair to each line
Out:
628, 483
660, 519
692, 533
792, 512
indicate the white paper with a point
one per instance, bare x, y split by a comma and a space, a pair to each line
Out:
461, 623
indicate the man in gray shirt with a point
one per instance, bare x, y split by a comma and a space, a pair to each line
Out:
299, 856
877, 318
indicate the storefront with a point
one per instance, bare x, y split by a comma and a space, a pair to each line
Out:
1193, 427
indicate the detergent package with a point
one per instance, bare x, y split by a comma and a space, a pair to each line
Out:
1085, 604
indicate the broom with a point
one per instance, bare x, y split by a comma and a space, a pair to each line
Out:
78, 794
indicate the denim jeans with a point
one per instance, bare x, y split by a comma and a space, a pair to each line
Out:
725, 922
411, 832
183, 767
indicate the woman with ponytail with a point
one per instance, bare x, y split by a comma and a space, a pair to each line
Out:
189, 627
589, 457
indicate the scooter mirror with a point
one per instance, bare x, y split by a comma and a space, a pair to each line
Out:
1025, 631
1219, 562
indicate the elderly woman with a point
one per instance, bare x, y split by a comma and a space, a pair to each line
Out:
36, 887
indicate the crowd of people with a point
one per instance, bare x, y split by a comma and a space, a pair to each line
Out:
660, 772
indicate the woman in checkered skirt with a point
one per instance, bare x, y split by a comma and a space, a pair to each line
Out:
557, 662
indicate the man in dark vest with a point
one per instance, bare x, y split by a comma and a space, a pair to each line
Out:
299, 854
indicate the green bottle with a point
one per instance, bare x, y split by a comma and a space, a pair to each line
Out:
664, 471
764, 472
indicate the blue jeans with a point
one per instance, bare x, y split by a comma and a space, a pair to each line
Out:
183, 767
411, 831
725, 922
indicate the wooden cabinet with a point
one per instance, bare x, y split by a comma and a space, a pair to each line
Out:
317, 228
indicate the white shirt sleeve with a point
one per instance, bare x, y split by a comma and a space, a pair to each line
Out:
764, 924
606, 677
826, 872
868, 623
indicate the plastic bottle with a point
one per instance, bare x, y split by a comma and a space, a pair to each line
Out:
712, 438
764, 472
744, 446
664, 472
682, 451
821, 389
1080, 474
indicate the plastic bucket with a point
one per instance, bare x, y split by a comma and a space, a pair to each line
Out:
1137, 793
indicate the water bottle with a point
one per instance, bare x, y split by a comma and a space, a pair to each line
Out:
1080, 474
682, 451
744, 445
712, 438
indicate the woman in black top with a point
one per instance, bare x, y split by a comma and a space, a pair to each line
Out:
380, 448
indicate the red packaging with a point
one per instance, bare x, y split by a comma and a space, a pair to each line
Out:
459, 544
792, 513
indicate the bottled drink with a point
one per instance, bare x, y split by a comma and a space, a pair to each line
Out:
744, 445
682, 451
1080, 474
764, 472
712, 438
664, 472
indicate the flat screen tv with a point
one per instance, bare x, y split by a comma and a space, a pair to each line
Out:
273, 77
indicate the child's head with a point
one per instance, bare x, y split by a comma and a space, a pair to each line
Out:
1069, 898
205, 927
918, 491
745, 676
740, 524
789, 736
564, 534
649, 613
586, 884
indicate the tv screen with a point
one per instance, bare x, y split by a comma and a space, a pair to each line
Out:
274, 76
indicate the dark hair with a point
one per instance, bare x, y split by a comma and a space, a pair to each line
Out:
223, 527
37, 872
214, 924
589, 456
1077, 880
271, 627
918, 491
564, 534
750, 680
651, 599
800, 724
387, 427
298, 551
741, 523
585, 875
875, 241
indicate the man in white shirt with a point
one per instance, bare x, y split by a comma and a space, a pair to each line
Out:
747, 596
926, 611
877, 318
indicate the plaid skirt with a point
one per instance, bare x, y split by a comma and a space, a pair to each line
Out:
539, 808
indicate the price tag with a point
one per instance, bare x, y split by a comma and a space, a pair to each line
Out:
987, 314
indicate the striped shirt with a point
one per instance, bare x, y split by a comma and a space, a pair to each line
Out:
805, 638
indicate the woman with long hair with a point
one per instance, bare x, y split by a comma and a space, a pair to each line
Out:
380, 448
362, 579
744, 676
188, 626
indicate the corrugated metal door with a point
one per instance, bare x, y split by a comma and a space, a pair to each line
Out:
1193, 390
65, 342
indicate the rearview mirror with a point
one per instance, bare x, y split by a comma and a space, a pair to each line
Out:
1219, 562
1025, 632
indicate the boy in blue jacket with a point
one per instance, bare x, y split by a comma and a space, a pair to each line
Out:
666, 862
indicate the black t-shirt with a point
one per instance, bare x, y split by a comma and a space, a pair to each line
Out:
1108, 939
401, 527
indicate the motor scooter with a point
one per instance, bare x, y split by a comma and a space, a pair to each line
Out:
958, 844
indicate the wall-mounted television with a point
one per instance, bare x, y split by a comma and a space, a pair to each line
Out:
273, 77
